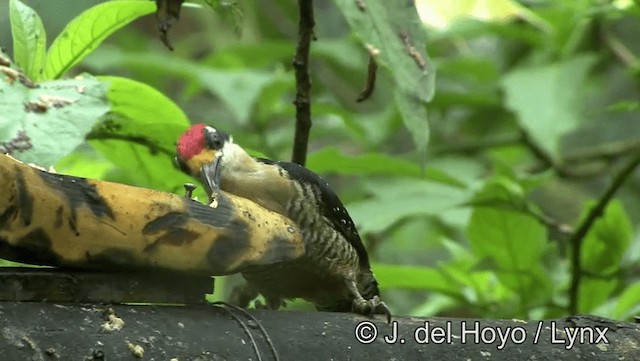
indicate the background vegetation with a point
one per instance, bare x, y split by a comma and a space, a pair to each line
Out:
508, 212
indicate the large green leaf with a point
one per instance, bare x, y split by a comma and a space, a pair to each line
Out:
55, 116
141, 114
549, 100
515, 244
29, 39
88, 30
395, 36
139, 134
394, 201
84, 162
238, 89
140, 166
594, 292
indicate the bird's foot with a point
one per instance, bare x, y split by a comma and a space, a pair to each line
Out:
242, 295
371, 307
271, 303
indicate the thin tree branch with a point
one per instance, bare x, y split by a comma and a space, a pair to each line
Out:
605, 152
538, 152
303, 82
549, 222
585, 226
621, 51
577, 164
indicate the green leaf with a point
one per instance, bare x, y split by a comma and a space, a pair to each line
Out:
331, 159
513, 240
414, 115
394, 34
499, 192
238, 89
230, 11
139, 134
477, 287
515, 243
88, 30
414, 278
141, 114
55, 116
394, 201
140, 166
607, 240
544, 104
84, 162
627, 305
594, 292
29, 39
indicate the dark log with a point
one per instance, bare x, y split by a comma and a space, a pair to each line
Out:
57, 285
48, 331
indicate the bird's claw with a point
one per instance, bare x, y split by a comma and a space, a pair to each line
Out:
371, 307
381, 307
270, 304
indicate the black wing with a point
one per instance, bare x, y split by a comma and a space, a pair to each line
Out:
330, 205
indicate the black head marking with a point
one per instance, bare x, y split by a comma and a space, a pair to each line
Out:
215, 138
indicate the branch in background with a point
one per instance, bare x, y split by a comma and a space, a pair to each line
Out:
621, 51
578, 164
537, 151
605, 152
549, 222
370, 84
591, 162
583, 229
303, 82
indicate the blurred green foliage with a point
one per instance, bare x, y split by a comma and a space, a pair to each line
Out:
535, 110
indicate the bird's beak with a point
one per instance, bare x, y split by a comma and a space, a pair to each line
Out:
211, 174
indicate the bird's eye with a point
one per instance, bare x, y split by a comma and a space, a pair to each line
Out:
215, 140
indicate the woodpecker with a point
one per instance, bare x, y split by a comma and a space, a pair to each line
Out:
334, 274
